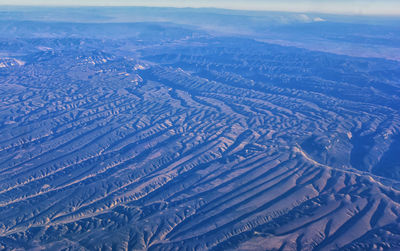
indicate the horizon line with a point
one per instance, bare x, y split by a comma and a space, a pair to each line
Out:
322, 8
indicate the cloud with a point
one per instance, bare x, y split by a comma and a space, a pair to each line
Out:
318, 19
307, 19
304, 18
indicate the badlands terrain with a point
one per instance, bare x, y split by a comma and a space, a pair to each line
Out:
121, 134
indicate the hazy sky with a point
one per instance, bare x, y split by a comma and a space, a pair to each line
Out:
363, 7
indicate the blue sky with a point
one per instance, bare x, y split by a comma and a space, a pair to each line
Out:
360, 7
